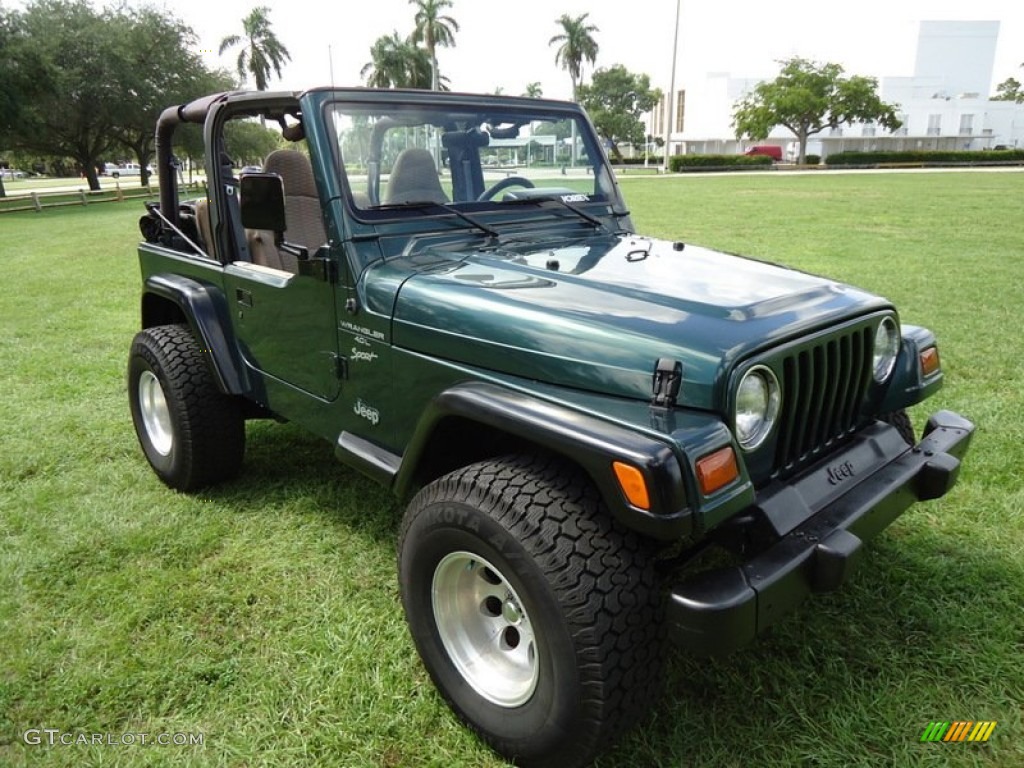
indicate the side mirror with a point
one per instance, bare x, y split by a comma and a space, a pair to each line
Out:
262, 202
262, 207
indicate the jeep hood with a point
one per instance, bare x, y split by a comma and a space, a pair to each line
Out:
596, 314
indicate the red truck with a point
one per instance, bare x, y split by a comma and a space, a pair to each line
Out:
770, 150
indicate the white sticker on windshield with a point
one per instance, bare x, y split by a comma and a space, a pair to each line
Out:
580, 198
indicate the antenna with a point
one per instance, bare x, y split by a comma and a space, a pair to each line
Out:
330, 60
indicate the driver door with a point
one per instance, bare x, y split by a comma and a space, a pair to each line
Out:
283, 307
286, 326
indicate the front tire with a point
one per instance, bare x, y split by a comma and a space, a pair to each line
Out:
192, 434
901, 420
535, 613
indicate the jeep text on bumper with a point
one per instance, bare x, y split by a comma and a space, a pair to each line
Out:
819, 532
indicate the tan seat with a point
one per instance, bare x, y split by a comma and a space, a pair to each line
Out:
203, 223
302, 212
414, 179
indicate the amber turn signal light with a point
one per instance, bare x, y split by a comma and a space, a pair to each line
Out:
717, 470
634, 487
929, 361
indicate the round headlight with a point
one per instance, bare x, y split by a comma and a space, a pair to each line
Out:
887, 346
757, 406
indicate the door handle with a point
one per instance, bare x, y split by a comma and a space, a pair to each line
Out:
243, 297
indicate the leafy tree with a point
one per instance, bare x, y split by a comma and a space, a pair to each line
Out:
561, 130
533, 91
80, 83
807, 97
398, 63
615, 99
1009, 90
433, 29
261, 50
248, 143
164, 69
74, 55
576, 45
17, 85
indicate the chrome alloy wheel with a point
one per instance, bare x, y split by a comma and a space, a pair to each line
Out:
156, 416
485, 629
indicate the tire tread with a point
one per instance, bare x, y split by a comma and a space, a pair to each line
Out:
601, 572
212, 430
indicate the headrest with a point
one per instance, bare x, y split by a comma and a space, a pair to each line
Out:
294, 169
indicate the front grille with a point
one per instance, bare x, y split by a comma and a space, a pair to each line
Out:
823, 388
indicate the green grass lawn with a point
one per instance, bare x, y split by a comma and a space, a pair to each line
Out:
264, 614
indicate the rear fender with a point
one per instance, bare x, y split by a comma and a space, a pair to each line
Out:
168, 298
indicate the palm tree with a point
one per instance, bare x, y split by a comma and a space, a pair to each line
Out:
261, 50
577, 45
533, 90
397, 63
434, 30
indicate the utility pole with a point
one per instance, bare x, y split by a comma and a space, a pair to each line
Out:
670, 106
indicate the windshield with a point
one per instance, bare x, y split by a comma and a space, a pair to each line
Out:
396, 156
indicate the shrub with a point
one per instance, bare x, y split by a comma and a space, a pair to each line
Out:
936, 157
812, 160
691, 163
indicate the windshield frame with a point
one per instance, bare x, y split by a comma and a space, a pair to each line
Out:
465, 118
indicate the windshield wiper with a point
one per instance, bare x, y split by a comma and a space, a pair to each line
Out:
420, 204
557, 199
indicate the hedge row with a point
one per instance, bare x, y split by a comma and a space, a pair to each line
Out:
926, 156
690, 163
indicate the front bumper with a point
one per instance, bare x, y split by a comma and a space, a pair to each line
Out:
821, 520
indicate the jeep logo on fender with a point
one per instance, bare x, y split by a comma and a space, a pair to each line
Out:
839, 473
372, 415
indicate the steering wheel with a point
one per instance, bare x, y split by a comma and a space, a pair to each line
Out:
508, 181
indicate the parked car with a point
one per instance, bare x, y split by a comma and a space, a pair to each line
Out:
768, 150
12, 173
570, 407
125, 169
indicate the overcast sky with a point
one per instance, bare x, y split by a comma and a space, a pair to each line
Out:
506, 44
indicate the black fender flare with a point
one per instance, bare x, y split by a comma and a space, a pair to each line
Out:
205, 310
590, 442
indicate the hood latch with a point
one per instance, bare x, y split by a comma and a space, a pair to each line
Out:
668, 376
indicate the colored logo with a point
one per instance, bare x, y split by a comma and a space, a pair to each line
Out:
960, 730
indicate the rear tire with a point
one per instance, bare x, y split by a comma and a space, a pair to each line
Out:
535, 613
192, 434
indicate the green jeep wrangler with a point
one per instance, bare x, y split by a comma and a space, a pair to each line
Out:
449, 289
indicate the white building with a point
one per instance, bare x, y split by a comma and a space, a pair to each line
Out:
945, 104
